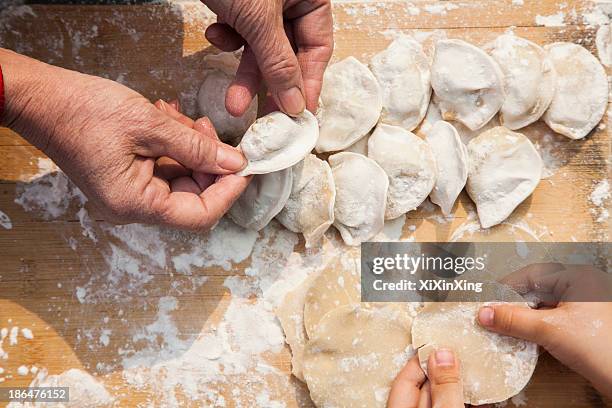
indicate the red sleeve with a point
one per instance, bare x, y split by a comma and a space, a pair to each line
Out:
1, 93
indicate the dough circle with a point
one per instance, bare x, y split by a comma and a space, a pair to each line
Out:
493, 367
345, 362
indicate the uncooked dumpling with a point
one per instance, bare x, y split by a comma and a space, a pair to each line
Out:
467, 82
493, 367
338, 284
310, 207
277, 141
351, 101
219, 74
452, 159
360, 146
529, 83
355, 354
361, 196
264, 197
402, 70
408, 162
582, 91
290, 313
505, 168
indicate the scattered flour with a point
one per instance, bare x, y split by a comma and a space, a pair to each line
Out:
599, 197
554, 20
5, 221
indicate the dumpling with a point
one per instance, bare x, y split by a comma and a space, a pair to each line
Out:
361, 196
310, 207
360, 146
277, 141
402, 70
409, 164
505, 168
219, 74
451, 156
468, 84
582, 91
351, 102
262, 200
529, 83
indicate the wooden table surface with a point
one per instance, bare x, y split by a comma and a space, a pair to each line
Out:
158, 50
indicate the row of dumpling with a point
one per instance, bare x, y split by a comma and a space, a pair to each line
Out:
392, 171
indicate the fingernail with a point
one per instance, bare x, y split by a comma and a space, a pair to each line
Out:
445, 357
230, 159
486, 315
292, 101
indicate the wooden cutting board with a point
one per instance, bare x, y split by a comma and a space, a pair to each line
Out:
158, 50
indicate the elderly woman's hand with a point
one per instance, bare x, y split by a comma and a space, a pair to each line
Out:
136, 162
288, 44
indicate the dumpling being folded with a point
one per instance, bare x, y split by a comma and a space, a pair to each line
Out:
277, 141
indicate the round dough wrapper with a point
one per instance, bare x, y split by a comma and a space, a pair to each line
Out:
529, 83
402, 70
493, 367
582, 91
219, 74
351, 102
277, 141
451, 156
408, 162
361, 196
310, 207
468, 84
290, 313
505, 168
337, 285
345, 362
263, 198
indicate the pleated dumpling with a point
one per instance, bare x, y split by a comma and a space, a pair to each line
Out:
277, 141
262, 200
361, 196
529, 83
219, 73
582, 91
468, 84
452, 159
310, 207
351, 102
409, 164
505, 168
403, 72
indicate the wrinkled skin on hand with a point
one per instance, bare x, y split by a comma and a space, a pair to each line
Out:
288, 44
107, 139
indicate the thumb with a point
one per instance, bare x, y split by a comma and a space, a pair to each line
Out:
192, 149
516, 321
280, 68
445, 379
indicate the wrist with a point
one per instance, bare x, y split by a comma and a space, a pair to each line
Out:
28, 88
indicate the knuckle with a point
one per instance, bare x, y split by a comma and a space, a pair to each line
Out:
504, 319
281, 70
447, 376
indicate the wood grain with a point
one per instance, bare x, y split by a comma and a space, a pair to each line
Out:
158, 50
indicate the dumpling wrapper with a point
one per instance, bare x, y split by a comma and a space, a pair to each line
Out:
310, 207
351, 102
582, 91
408, 162
277, 141
361, 196
452, 160
493, 367
403, 72
529, 80
505, 168
219, 74
468, 84
262, 200
338, 284
355, 354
